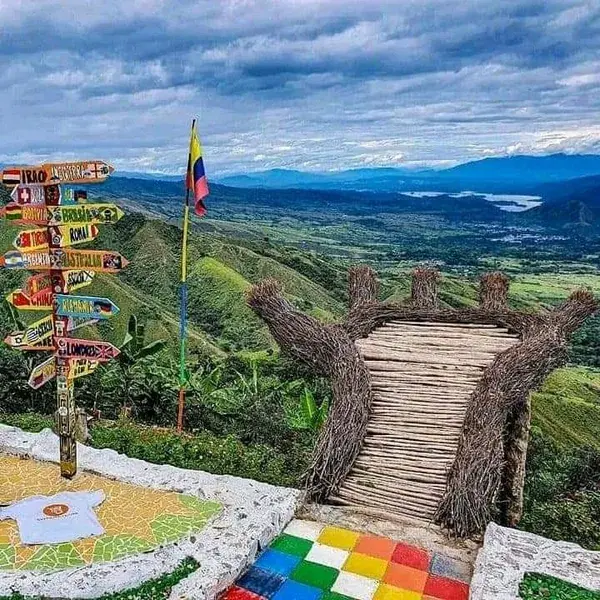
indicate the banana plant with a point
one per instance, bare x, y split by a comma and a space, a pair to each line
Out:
133, 350
307, 414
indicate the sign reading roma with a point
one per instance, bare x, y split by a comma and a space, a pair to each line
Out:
74, 348
51, 173
61, 236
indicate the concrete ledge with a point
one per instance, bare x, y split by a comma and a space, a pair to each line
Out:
508, 554
253, 514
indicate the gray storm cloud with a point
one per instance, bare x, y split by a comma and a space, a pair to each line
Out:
299, 84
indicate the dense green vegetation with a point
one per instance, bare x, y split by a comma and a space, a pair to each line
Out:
562, 491
543, 587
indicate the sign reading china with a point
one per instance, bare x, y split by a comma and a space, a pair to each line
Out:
41, 301
93, 171
74, 348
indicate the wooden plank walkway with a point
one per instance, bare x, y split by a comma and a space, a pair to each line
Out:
422, 377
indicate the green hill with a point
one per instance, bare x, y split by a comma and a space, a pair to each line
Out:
219, 273
567, 408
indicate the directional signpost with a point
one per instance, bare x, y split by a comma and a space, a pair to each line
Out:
58, 219
62, 235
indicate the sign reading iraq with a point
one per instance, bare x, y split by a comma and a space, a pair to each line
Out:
95, 171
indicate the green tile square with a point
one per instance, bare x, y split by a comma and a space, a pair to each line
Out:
290, 544
316, 575
334, 596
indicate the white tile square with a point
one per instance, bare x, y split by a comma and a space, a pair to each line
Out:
327, 555
309, 530
355, 586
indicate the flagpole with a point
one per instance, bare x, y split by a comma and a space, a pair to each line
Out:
183, 292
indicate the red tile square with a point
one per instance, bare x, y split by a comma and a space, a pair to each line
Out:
238, 593
411, 557
446, 589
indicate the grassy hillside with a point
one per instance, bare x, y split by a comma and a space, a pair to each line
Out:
219, 273
567, 408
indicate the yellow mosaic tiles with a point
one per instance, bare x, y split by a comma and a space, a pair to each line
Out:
135, 519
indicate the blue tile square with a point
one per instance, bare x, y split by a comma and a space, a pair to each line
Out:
278, 562
292, 590
261, 582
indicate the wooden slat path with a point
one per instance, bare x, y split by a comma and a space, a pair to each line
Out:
422, 377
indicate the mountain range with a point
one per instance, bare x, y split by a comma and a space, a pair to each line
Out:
512, 174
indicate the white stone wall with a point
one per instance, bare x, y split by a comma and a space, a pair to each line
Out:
253, 514
508, 554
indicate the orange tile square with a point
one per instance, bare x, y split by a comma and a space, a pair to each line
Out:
378, 547
405, 577
367, 566
338, 538
389, 592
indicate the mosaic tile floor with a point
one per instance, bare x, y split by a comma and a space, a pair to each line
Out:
135, 519
312, 561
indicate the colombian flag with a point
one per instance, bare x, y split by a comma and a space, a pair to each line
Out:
196, 177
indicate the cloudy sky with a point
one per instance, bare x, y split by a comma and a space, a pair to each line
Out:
307, 84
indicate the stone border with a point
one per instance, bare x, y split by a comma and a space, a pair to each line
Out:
253, 515
508, 554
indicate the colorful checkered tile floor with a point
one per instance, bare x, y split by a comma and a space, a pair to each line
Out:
313, 561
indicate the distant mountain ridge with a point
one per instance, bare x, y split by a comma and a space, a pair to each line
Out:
499, 174
573, 204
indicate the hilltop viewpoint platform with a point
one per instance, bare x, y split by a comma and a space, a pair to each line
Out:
154, 516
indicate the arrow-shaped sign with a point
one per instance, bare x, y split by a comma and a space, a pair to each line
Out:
74, 348
42, 373
85, 307
75, 323
33, 335
20, 300
51, 195
82, 367
92, 171
46, 371
61, 236
65, 260
69, 281
39, 214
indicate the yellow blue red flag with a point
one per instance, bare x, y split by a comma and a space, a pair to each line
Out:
196, 176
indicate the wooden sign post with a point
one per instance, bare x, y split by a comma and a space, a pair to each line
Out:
62, 221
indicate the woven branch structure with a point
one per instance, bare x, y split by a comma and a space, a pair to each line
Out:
489, 466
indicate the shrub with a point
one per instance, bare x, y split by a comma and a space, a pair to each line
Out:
562, 492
